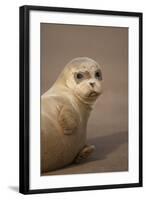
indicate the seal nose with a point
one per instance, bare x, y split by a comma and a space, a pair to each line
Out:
92, 84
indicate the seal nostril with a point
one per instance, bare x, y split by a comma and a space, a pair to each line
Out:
92, 84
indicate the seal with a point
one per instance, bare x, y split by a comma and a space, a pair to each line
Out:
65, 109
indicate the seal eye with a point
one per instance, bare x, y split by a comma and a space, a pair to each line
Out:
98, 75
79, 76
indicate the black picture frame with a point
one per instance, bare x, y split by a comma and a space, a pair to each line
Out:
25, 106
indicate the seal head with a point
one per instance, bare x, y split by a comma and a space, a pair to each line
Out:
83, 77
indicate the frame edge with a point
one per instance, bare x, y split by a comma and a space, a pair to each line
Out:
141, 99
82, 10
23, 100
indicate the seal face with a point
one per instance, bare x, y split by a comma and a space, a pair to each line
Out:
84, 79
65, 109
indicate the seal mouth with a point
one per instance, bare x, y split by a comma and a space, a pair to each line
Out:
93, 94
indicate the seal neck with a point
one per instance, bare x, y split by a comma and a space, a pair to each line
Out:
88, 105
82, 104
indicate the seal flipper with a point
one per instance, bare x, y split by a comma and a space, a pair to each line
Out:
68, 120
84, 153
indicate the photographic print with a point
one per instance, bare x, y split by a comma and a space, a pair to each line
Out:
80, 99
78, 125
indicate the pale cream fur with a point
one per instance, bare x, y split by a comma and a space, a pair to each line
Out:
65, 109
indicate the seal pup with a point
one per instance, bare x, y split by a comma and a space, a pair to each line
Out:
65, 109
